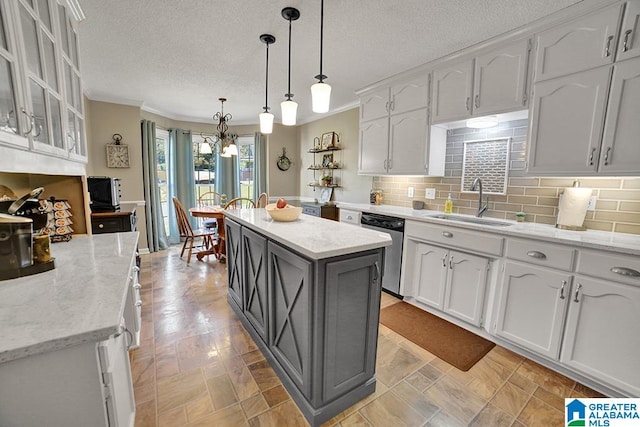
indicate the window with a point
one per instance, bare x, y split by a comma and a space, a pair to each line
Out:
162, 140
203, 168
246, 148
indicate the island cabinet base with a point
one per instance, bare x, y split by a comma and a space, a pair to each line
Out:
315, 320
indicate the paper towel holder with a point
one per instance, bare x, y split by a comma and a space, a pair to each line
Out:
576, 184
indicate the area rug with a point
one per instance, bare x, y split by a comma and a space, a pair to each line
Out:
449, 342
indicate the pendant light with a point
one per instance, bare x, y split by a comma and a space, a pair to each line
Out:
320, 92
266, 118
289, 107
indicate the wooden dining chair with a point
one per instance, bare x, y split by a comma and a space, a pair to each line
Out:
262, 200
209, 238
211, 198
239, 203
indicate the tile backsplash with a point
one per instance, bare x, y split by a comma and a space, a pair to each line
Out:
618, 199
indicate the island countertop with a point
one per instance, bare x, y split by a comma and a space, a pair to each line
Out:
81, 300
314, 237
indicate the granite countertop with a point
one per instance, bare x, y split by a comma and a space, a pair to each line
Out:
314, 237
81, 300
595, 239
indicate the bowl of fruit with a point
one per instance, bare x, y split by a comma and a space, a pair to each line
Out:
282, 211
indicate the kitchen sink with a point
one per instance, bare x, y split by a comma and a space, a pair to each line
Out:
471, 219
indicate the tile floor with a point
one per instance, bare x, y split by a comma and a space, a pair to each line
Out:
197, 366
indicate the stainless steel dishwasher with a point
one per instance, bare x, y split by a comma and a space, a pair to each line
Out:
392, 254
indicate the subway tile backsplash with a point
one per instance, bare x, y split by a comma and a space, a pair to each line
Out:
618, 199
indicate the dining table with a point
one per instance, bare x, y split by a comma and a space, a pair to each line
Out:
216, 212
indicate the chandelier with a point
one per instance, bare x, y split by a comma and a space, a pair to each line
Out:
223, 140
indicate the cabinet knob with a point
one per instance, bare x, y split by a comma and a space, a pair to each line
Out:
137, 286
138, 303
100, 225
624, 271
447, 234
349, 217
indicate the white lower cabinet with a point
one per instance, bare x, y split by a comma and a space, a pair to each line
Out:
451, 281
532, 306
601, 339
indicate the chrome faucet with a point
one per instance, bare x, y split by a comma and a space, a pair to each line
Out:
477, 184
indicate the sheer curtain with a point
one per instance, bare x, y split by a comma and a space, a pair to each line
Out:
181, 181
259, 165
156, 235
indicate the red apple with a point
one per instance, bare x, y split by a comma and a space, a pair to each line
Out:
281, 203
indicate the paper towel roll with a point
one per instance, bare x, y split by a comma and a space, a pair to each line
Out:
573, 206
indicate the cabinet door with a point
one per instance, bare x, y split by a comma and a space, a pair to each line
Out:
290, 303
429, 273
629, 44
409, 96
566, 127
10, 99
466, 282
620, 147
254, 258
408, 143
374, 105
580, 45
352, 296
500, 79
452, 92
117, 382
600, 338
374, 145
233, 239
532, 306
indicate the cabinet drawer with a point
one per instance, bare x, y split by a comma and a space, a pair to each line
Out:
311, 210
110, 225
350, 217
540, 253
610, 266
456, 237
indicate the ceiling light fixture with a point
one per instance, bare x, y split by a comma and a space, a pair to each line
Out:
321, 92
266, 118
289, 107
482, 122
225, 141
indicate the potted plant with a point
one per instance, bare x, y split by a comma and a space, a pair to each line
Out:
520, 216
327, 179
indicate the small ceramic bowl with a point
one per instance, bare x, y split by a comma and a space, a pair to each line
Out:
287, 214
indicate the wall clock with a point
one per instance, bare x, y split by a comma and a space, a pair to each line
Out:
117, 153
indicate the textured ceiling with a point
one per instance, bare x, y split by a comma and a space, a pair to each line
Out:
177, 57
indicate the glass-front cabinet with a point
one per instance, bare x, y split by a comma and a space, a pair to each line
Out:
40, 92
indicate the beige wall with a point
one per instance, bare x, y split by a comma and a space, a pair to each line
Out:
354, 188
103, 120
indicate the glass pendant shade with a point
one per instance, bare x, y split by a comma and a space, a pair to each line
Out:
266, 123
232, 149
205, 148
225, 152
289, 111
320, 97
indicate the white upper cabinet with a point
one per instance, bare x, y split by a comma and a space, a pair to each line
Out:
579, 45
41, 107
495, 82
452, 87
568, 113
620, 146
394, 130
500, 79
629, 44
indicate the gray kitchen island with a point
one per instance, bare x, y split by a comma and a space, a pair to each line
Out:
308, 292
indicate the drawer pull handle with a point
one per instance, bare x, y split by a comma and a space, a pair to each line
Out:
624, 271
575, 299
137, 286
349, 217
136, 268
444, 261
593, 152
138, 303
377, 273
564, 283
451, 263
536, 254
447, 234
467, 103
606, 157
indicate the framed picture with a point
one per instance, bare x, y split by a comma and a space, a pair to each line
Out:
328, 140
327, 159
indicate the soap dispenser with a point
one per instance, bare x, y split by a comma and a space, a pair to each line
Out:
448, 205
